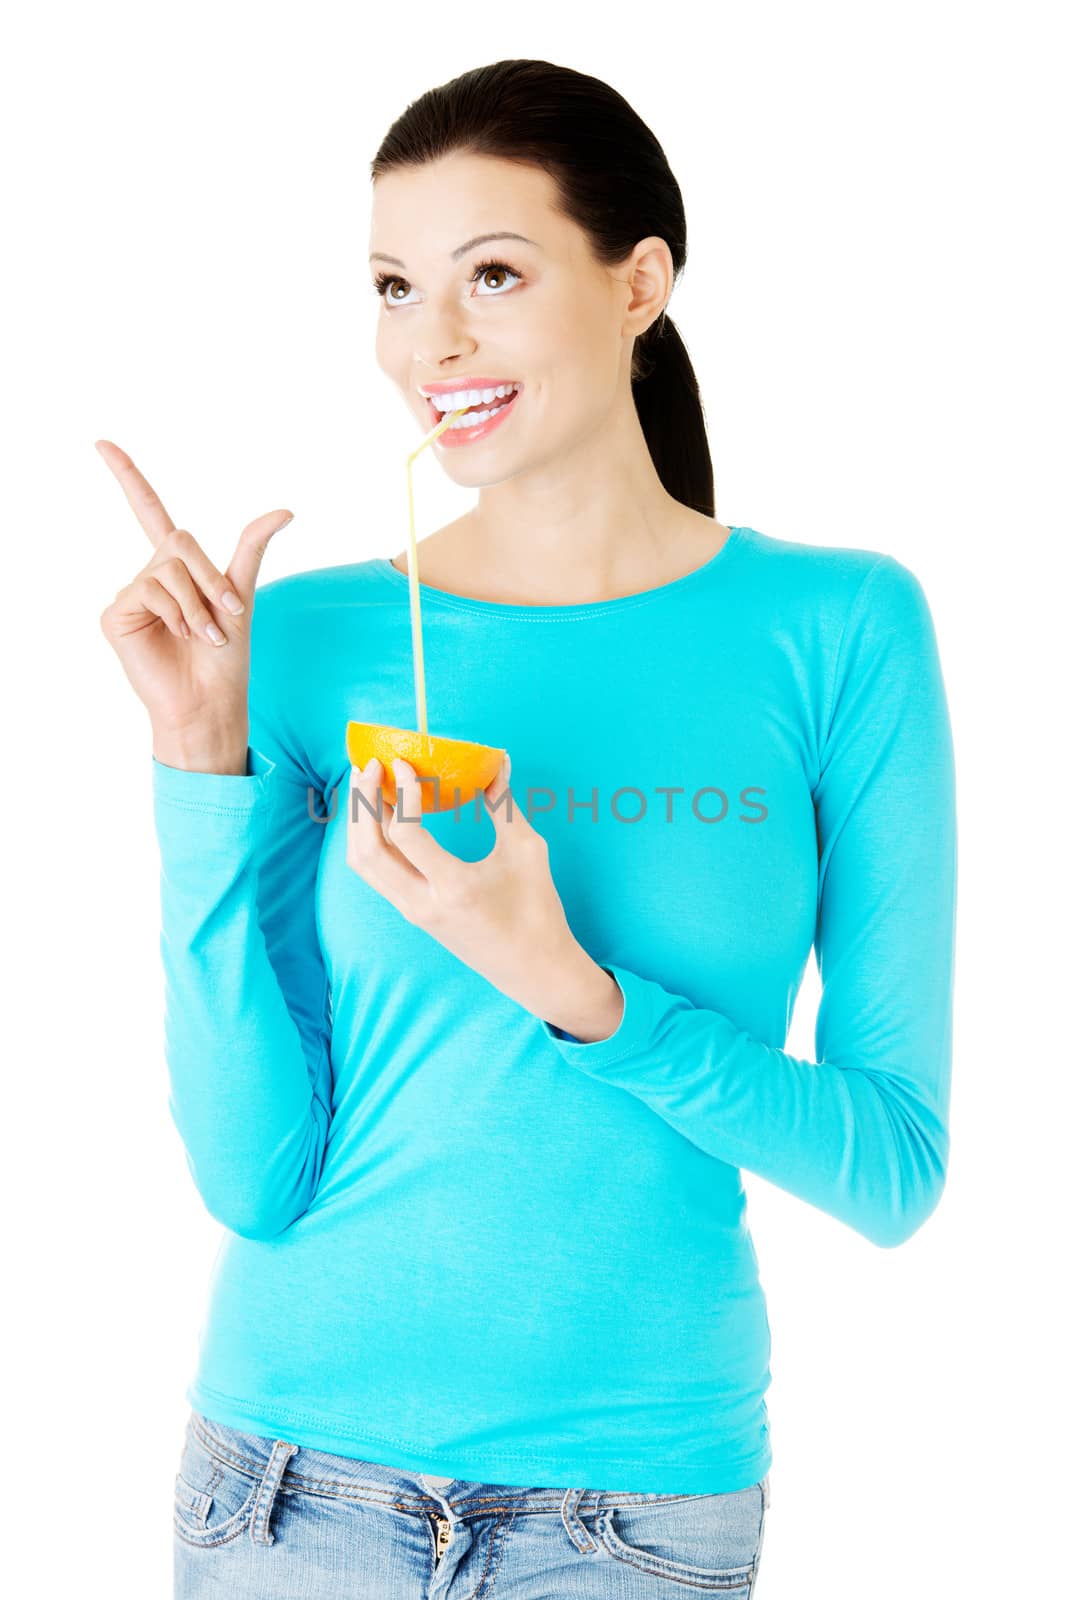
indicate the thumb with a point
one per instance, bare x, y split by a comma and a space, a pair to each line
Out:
503, 778
244, 568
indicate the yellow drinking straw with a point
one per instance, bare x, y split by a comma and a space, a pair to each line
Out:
463, 766
413, 576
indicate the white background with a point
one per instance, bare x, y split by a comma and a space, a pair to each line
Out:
873, 307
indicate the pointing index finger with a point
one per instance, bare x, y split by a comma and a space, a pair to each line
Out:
145, 503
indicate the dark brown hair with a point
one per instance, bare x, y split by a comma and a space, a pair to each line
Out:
614, 181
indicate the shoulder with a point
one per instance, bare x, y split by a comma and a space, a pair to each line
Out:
295, 617
316, 589
842, 584
309, 599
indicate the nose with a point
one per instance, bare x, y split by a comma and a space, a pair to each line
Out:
447, 345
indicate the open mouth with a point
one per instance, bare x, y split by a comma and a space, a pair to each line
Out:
477, 414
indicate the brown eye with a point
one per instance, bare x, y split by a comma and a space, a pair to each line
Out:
382, 284
485, 269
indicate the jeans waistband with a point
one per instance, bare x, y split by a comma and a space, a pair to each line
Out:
307, 1470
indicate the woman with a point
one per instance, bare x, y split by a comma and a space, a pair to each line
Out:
471, 1091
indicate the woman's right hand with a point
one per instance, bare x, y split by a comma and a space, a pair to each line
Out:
160, 625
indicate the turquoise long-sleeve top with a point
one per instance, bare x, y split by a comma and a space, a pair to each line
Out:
456, 1239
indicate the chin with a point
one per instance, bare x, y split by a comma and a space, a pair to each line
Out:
475, 477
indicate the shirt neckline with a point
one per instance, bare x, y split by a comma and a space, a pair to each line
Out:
591, 608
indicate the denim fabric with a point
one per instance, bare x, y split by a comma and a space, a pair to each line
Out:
265, 1518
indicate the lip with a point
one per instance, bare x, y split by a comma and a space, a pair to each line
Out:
451, 385
452, 438
454, 386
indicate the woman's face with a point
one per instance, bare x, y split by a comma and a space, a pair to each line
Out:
544, 315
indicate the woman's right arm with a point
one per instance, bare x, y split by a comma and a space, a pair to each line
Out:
247, 1001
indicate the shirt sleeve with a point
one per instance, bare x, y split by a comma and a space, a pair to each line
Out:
863, 1131
247, 1001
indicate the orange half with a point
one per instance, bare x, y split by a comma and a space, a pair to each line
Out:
461, 767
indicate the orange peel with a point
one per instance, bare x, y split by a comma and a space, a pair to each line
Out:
462, 767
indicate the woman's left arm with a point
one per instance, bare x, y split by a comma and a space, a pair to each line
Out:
863, 1131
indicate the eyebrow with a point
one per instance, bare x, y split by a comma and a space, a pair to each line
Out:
461, 249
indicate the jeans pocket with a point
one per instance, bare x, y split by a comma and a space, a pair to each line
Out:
712, 1539
213, 1497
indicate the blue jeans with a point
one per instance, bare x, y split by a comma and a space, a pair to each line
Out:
260, 1517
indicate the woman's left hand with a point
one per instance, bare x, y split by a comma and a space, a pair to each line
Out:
502, 915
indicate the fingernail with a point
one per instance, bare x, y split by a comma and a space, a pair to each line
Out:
229, 599
286, 523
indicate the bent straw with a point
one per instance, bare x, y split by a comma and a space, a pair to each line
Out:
413, 576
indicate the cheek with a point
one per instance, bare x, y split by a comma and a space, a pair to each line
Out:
574, 353
389, 349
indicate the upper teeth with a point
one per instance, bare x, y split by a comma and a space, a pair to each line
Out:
456, 399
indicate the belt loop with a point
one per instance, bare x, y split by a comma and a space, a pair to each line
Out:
577, 1531
260, 1530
